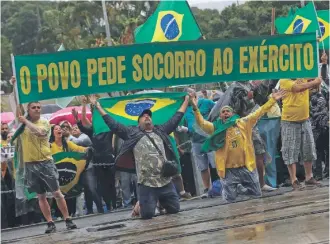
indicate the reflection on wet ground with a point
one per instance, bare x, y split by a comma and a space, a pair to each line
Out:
293, 217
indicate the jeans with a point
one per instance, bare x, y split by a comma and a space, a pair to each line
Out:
126, 180
89, 182
106, 182
149, 196
235, 176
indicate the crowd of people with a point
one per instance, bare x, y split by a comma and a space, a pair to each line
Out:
136, 166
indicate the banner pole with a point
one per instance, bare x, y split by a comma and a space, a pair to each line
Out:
272, 32
107, 28
15, 88
319, 29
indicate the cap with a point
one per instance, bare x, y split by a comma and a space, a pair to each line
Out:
146, 111
227, 107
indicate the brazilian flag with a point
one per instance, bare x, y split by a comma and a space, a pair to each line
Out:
171, 21
323, 17
70, 165
304, 20
126, 110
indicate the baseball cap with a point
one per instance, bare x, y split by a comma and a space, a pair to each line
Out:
146, 111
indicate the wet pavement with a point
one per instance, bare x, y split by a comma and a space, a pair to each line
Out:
280, 217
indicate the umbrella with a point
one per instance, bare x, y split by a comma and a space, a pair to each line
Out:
49, 108
7, 117
65, 114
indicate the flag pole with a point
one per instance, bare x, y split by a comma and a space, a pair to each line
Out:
107, 28
318, 25
272, 32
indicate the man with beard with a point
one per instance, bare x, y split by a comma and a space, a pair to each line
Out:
231, 138
4, 134
149, 147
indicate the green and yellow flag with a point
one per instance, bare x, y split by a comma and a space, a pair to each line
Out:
323, 17
127, 109
304, 20
70, 165
171, 21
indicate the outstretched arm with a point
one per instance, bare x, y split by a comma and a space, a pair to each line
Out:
173, 123
204, 124
84, 118
117, 128
88, 130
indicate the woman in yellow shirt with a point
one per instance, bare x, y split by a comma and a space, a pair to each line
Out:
58, 143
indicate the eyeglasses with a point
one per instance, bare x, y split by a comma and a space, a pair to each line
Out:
65, 126
34, 107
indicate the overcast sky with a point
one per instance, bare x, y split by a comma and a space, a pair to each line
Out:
213, 4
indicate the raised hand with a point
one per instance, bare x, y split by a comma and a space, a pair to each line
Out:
93, 99
75, 114
277, 95
193, 100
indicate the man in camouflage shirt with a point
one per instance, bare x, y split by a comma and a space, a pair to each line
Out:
138, 153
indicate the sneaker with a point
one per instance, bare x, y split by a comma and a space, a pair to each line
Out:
268, 188
205, 194
185, 196
297, 186
70, 225
161, 209
312, 182
51, 228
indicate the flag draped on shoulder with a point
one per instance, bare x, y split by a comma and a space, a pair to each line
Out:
323, 17
127, 109
171, 21
304, 20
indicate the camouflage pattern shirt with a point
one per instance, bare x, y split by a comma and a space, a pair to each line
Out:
149, 163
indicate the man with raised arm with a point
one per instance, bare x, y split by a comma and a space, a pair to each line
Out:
231, 138
148, 147
296, 130
41, 172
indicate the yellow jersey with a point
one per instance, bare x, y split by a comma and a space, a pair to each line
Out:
230, 156
295, 104
36, 148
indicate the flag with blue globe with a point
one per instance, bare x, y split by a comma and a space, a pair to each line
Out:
304, 20
171, 21
324, 28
